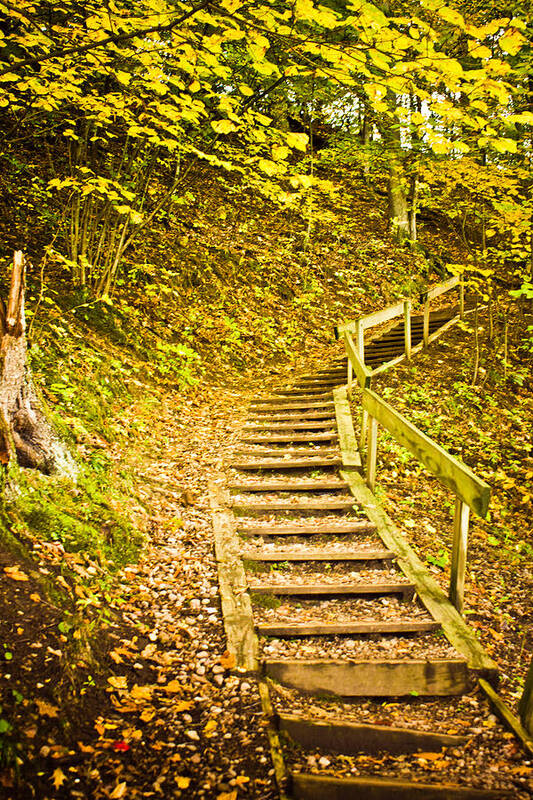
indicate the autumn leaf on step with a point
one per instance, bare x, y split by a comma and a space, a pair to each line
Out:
35, 597
228, 795
15, 573
172, 687
241, 780
228, 660
183, 782
149, 650
46, 709
121, 747
118, 681
119, 791
141, 693
148, 714
58, 777
429, 756
210, 728
182, 705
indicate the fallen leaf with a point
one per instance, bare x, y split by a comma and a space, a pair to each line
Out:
121, 747
46, 709
118, 681
119, 791
141, 692
15, 573
148, 714
182, 705
35, 597
227, 660
172, 687
429, 756
149, 650
240, 780
210, 728
58, 777
228, 795
183, 782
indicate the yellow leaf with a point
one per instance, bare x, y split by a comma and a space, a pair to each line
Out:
245, 90
223, 126
511, 43
298, 141
228, 795
183, 782
118, 681
141, 692
46, 709
35, 597
210, 728
228, 660
123, 77
15, 573
59, 777
172, 687
119, 791
182, 705
240, 780
269, 168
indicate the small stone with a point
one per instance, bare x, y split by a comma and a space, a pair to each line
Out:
192, 735
219, 680
195, 604
245, 687
218, 669
324, 762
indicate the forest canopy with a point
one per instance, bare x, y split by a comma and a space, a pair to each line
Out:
115, 102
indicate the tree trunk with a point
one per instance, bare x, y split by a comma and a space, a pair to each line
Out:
25, 432
398, 205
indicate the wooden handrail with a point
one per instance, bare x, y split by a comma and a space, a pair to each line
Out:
363, 374
449, 470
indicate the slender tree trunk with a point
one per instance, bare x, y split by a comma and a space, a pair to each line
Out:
398, 204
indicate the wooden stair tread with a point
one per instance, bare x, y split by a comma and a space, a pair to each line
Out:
287, 396
280, 464
323, 787
371, 677
319, 555
287, 425
336, 735
257, 408
354, 628
306, 392
287, 437
313, 485
301, 505
386, 587
301, 529
288, 451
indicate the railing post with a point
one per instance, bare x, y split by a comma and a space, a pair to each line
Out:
371, 454
459, 551
360, 339
407, 327
426, 322
525, 706
462, 297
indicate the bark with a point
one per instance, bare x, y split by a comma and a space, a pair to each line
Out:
398, 204
25, 432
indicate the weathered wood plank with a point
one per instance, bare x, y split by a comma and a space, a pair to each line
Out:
283, 452
457, 631
235, 601
288, 486
281, 464
361, 371
293, 426
321, 787
459, 554
350, 678
347, 441
507, 716
276, 751
332, 589
525, 707
286, 438
306, 530
449, 470
337, 736
443, 287
365, 554
300, 505
352, 629
287, 396
260, 409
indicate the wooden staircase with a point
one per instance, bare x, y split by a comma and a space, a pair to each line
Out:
323, 600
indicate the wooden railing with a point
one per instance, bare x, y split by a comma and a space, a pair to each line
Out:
353, 332
471, 493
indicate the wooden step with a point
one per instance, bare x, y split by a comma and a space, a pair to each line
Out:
316, 485
322, 787
336, 736
320, 555
299, 422
407, 590
299, 505
304, 392
350, 629
303, 529
281, 464
263, 409
282, 452
287, 397
287, 437
371, 678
